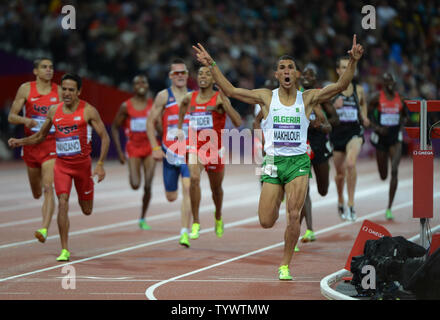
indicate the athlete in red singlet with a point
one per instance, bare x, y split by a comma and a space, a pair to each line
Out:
387, 115
207, 109
133, 114
36, 97
73, 120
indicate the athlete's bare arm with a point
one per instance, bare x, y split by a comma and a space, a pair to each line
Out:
256, 96
372, 105
363, 105
404, 115
225, 104
183, 109
153, 118
60, 93
322, 123
120, 117
330, 111
17, 105
37, 137
91, 116
316, 96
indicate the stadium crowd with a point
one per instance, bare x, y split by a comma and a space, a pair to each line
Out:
115, 39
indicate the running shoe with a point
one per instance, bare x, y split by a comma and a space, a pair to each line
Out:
284, 273
296, 249
351, 214
195, 231
341, 211
143, 225
219, 227
184, 240
64, 256
309, 236
389, 214
41, 235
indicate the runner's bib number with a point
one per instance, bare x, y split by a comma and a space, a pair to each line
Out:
138, 124
68, 146
40, 120
389, 119
347, 114
286, 135
201, 120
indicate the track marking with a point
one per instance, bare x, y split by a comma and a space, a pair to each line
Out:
149, 292
207, 208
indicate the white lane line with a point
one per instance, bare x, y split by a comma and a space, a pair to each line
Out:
115, 192
157, 196
149, 292
161, 216
160, 241
316, 204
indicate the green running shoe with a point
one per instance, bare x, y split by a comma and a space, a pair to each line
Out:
41, 235
219, 227
309, 236
64, 256
284, 273
195, 231
143, 225
296, 249
184, 240
389, 215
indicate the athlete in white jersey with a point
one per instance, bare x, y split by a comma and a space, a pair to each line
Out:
286, 115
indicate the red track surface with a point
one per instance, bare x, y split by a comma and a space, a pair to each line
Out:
113, 259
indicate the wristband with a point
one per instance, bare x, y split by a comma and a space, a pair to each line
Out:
213, 64
100, 163
156, 148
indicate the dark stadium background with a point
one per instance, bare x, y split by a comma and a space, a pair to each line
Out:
115, 40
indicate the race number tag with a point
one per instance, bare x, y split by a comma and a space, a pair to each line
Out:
271, 170
138, 124
201, 120
347, 114
286, 135
389, 119
40, 120
68, 146
374, 138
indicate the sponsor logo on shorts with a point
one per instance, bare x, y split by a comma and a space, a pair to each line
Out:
302, 170
87, 192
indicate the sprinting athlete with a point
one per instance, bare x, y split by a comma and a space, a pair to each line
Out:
173, 155
388, 114
73, 120
347, 138
207, 109
133, 113
35, 98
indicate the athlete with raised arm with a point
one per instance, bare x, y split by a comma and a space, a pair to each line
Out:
286, 113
